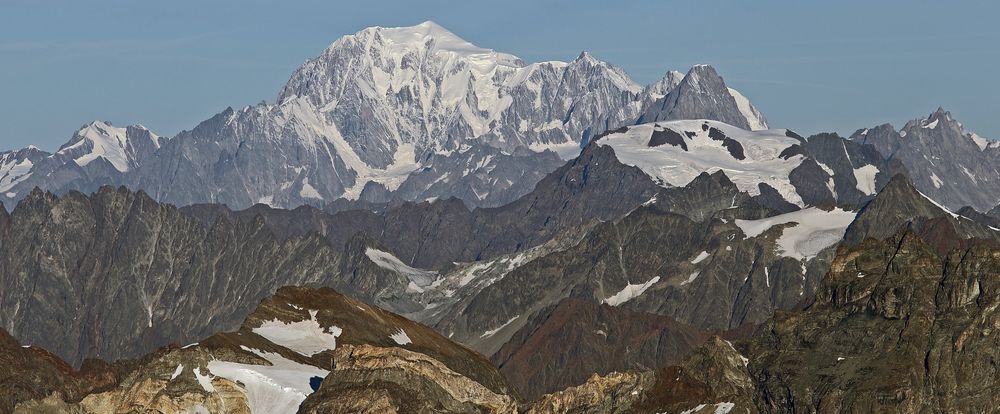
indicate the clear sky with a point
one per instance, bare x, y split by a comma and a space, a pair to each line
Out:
808, 65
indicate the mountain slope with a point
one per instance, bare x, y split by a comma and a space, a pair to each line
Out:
294, 343
951, 165
820, 170
566, 344
702, 94
373, 109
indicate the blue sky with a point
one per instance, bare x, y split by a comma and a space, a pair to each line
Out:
808, 65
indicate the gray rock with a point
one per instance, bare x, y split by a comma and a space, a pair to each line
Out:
951, 165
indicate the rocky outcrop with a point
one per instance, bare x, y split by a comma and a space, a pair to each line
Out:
371, 379
708, 274
896, 327
900, 206
702, 94
714, 379
594, 186
32, 373
296, 342
564, 345
117, 274
951, 165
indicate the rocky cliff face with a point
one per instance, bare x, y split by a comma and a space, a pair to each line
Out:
722, 271
715, 379
702, 94
295, 343
943, 159
564, 345
594, 186
117, 274
896, 327
777, 165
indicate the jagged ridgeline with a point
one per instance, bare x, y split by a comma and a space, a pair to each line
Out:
408, 113
419, 224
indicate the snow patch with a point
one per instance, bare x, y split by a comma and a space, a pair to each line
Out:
720, 408
701, 256
673, 166
690, 278
492, 332
306, 337
753, 117
400, 337
938, 205
419, 278
814, 230
203, 379
865, 177
935, 180
278, 388
630, 292
981, 142
308, 191
178, 371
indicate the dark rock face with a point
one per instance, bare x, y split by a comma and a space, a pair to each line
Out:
667, 136
944, 161
702, 94
703, 273
900, 206
564, 345
986, 219
117, 274
811, 182
481, 176
713, 379
31, 373
859, 171
734, 147
895, 328
594, 186
101, 269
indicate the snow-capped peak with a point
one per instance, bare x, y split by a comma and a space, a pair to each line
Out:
101, 139
439, 39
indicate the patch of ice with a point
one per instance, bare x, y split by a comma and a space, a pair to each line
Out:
178, 371
630, 292
308, 191
673, 166
701, 256
935, 180
306, 337
400, 337
933, 124
690, 278
865, 177
419, 278
278, 388
204, 380
492, 332
813, 231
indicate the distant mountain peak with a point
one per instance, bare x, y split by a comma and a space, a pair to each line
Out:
702, 93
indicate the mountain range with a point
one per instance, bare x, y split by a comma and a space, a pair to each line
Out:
419, 224
373, 109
